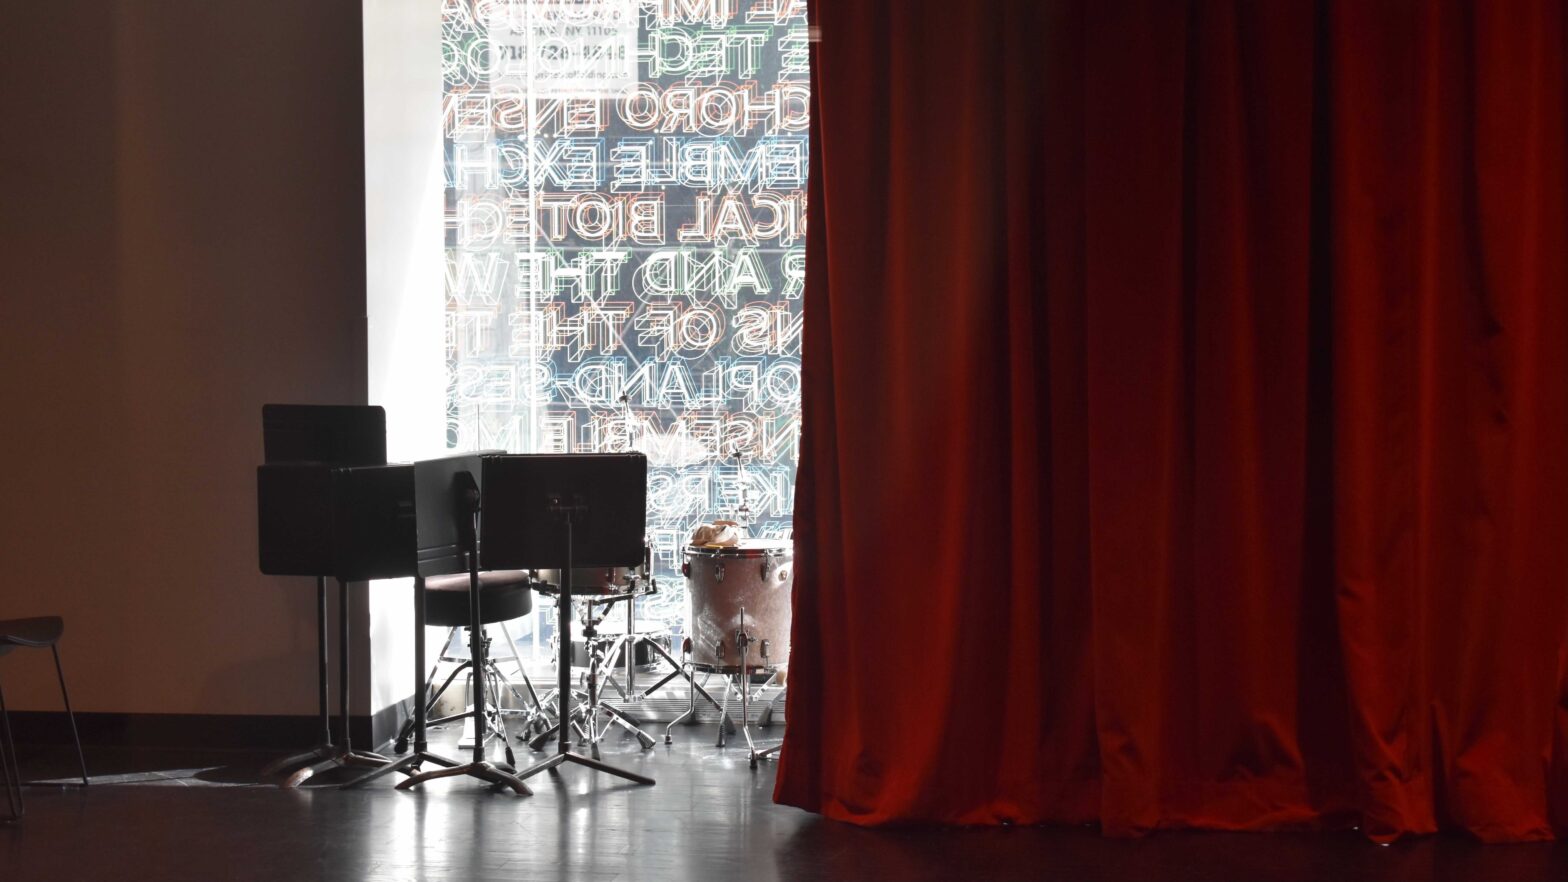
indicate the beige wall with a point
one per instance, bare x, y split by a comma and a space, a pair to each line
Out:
181, 240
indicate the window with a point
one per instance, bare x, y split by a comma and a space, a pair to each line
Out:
625, 218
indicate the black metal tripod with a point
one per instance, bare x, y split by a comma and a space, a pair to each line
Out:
411, 763
568, 514
479, 767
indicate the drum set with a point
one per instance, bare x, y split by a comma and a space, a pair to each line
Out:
739, 601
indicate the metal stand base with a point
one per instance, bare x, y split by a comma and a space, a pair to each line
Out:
408, 765
480, 667
741, 683
591, 762
327, 756
484, 771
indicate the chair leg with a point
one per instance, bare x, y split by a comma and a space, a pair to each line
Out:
8, 765
81, 762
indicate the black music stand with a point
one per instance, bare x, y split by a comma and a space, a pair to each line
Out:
304, 444
444, 498
566, 511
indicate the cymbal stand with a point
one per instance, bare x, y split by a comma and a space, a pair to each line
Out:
479, 767
327, 754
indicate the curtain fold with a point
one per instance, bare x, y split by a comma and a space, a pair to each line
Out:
1185, 417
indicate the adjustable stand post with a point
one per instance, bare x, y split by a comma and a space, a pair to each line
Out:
479, 768
325, 754
349, 756
564, 753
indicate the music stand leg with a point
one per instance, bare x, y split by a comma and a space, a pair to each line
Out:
407, 731
303, 765
349, 756
480, 767
410, 764
563, 678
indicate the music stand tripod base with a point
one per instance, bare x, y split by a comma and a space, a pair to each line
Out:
541, 500
327, 755
480, 767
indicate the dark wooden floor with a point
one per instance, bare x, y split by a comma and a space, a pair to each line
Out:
159, 815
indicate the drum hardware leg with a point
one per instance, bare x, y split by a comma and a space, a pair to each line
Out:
655, 687
690, 713
631, 647
536, 710
575, 719
724, 712
744, 640
631, 725
618, 645
503, 733
434, 698
765, 719
543, 737
686, 671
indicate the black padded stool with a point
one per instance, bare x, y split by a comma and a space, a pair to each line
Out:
506, 595
33, 633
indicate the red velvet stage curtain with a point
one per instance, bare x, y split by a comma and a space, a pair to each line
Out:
1185, 391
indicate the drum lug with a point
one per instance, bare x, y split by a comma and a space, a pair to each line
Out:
686, 569
718, 571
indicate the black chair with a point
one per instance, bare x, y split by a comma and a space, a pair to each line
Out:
35, 633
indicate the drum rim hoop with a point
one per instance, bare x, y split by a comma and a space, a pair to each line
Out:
737, 551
